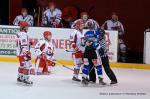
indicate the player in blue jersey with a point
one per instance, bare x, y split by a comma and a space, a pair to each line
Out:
91, 48
97, 43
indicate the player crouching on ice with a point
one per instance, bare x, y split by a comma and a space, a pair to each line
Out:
23, 54
44, 50
91, 53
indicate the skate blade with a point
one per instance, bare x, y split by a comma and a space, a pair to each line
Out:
111, 85
75, 82
107, 85
95, 85
24, 84
19, 83
84, 85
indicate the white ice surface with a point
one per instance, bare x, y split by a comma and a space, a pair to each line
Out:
60, 86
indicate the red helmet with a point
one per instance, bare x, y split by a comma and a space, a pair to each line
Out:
23, 24
80, 22
46, 34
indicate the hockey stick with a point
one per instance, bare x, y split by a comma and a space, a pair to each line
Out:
69, 51
98, 57
65, 66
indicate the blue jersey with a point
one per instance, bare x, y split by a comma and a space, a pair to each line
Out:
93, 36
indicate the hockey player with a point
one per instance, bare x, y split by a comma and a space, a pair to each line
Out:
52, 16
44, 50
76, 39
102, 51
23, 54
24, 17
84, 17
104, 58
114, 24
92, 46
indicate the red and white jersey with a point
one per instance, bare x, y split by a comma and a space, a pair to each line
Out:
43, 46
111, 25
51, 16
22, 43
96, 25
20, 18
77, 38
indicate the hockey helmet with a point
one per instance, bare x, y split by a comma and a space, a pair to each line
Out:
90, 25
47, 35
23, 24
78, 23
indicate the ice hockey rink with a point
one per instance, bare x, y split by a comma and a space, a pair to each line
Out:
133, 83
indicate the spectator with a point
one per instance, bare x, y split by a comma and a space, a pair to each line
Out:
115, 24
24, 17
86, 20
51, 16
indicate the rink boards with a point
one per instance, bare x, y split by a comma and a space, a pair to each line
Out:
147, 48
60, 39
61, 42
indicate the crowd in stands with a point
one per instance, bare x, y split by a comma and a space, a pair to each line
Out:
51, 17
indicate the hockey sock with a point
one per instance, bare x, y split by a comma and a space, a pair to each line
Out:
20, 73
85, 71
99, 71
26, 74
76, 71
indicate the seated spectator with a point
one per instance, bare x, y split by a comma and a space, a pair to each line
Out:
23, 17
115, 24
86, 20
51, 16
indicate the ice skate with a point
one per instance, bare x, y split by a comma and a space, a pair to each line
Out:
19, 80
27, 82
84, 81
113, 83
101, 82
76, 79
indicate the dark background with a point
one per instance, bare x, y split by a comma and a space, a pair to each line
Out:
134, 14
4, 11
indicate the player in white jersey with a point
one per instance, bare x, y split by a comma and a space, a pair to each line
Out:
52, 16
86, 20
114, 24
23, 54
24, 17
77, 44
44, 50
